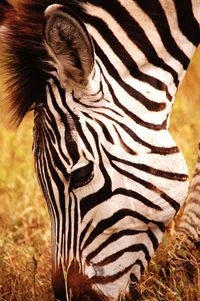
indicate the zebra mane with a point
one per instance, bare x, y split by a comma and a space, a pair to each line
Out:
23, 58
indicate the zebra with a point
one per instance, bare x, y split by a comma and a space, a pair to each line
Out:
190, 222
101, 77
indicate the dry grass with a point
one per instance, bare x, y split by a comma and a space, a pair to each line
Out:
25, 269
174, 272
24, 224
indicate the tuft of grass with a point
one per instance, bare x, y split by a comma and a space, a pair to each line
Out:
24, 223
173, 273
25, 260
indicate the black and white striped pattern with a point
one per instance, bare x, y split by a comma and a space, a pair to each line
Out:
110, 171
190, 221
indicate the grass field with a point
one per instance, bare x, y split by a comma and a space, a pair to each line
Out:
25, 269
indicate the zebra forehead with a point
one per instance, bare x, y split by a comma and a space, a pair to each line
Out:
23, 56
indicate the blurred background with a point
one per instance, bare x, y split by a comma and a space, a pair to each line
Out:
185, 119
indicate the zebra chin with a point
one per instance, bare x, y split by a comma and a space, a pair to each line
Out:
75, 286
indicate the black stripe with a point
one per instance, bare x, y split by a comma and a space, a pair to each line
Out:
105, 192
137, 35
147, 103
83, 233
149, 186
59, 185
134, 248
153, 239
149, 169
105, 131
112, 278
71, 145
137, 196
138, 120
76, 121
123, 144
104, 224
121, 52
187, 22
142, 268
48, 125
111, 239
40, 174
75, 224
56, 157
51, 200
50, 119
157, 14
50, 176
154, 149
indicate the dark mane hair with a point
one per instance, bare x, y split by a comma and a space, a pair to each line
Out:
23, 58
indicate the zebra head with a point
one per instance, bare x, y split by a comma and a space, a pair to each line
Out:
81, 162
82, 171
103, 155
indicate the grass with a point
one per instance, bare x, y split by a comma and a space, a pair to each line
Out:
24, 223
25, 267
174, 272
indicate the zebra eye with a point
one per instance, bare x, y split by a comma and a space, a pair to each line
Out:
82, 176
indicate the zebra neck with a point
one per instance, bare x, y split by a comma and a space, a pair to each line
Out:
142, 44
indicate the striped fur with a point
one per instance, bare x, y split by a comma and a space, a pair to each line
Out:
190, 221
111, 173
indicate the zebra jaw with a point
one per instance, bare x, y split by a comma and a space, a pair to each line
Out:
73, 285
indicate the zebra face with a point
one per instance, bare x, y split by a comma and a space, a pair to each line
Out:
104, 229
110, 171
80, 169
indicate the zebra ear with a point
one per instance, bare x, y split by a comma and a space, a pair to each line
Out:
69, 44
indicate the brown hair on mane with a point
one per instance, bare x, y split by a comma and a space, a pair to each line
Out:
23, 57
